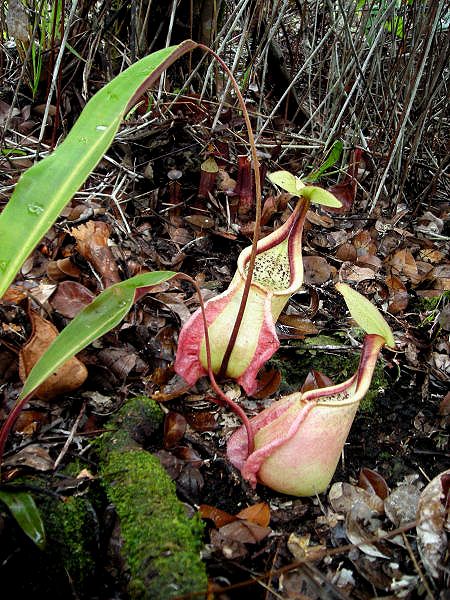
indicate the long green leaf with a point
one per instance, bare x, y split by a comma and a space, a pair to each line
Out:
96, 319
23, 508
44, 190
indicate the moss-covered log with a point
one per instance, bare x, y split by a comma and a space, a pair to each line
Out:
160, 544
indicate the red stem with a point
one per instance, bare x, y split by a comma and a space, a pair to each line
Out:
251, 263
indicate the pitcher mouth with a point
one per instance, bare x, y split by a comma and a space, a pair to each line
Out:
278, 263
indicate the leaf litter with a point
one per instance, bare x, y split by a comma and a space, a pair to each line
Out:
393, 474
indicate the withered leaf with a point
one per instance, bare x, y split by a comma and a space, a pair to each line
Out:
191, 481
302, 326
398, 296
256, 513
219, 517
373, 482
433, 519
33, 456
244, 531
315, 380
268, 384
57, 270
317, 270
174, 428
70, 376
92, 243
71, 297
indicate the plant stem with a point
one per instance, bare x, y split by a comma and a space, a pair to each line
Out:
251, 264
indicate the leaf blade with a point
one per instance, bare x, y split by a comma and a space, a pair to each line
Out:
366, 314
23, 508
96, 319
44, 189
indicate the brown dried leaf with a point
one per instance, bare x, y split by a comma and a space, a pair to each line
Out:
71, 297
373, 482
268, 384
14, 294
190, 481
92, 243
433, 519
315, 380
316, 270
402, 263
201, 221
302, 326
441, 276
70, 376
57, 270
354, 274
189, 455
244, 532
202, 420
364, 244
257, 513
219, 517
346, 252
33, 456
174, 429
398, 296
343, 496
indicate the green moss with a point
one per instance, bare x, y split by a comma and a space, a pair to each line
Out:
71, 528
132, 425
161, 544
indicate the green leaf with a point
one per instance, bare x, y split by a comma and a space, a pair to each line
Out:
333, 156
317, 195
96, 319
287, 181
295, 186
44, 190
23, 508
365, 314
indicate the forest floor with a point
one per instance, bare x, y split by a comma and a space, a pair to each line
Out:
140, 210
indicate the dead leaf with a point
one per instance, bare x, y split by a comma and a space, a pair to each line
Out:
33, 456
361, 524
71, 297
58, 270
315, 380
433, 520
70, 376
189, 455
92, 243
346, 252
343, 496
174, 429
398, 296
257, 513
219, 517
403, 264
302, 326
201, 221
245, 532
400, 506
373, 482
354, 274
316, 270
268, 384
